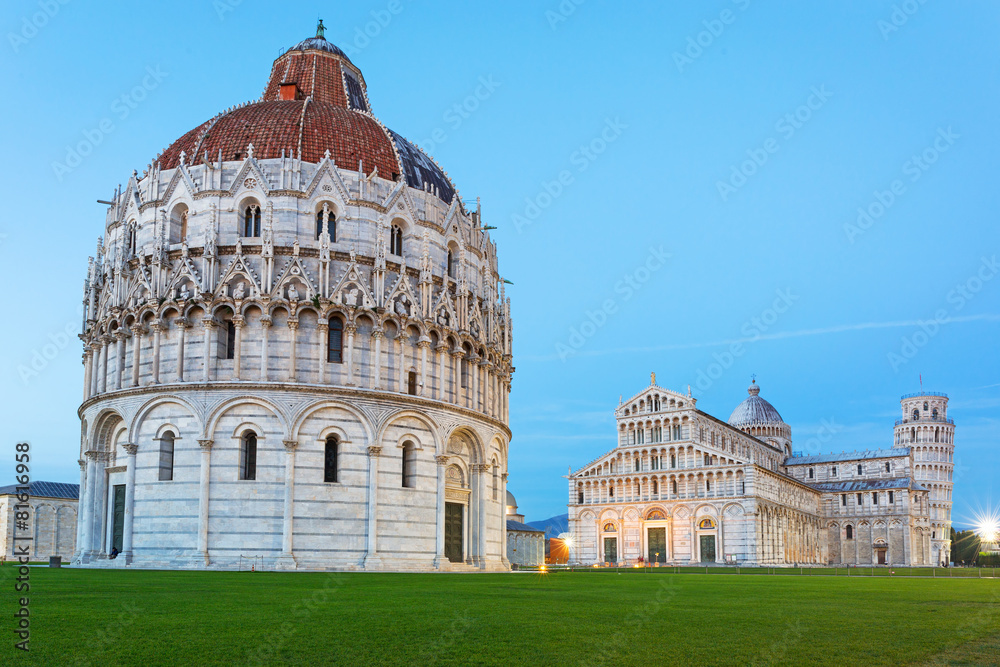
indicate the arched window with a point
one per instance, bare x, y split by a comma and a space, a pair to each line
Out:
673, 486
451, 264
409, 460
230, 341
411, 383
167, 456
335, 341
916, 414
934, 413
850, 532
860, 470
251, 221
925, 406
131, 240
330, 454
656, 487
465, 371
331, 224
811, 473
396, 240
496, 481
248, 455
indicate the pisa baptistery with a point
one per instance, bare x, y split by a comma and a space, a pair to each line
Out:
297, 348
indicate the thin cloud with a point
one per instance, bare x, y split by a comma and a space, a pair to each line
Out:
984, 317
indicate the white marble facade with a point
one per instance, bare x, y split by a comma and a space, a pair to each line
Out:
365, 310
682, 487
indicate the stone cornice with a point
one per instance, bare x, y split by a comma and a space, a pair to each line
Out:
300, 389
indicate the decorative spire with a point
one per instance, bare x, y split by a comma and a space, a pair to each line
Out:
652, 379
321, 30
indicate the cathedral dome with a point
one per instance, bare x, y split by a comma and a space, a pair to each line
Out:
754, 410
315, 102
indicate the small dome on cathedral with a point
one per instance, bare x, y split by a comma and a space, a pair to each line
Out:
754, 410
510, 501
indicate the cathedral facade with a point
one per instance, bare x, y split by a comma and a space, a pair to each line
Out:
297, 347
683, 487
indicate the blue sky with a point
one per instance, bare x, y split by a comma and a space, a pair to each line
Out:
677, 173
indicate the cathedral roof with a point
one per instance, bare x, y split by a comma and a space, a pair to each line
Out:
871, 485
754, 411
315, 101
45, 490
849, 456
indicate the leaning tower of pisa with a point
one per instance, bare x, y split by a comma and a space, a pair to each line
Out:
926, 429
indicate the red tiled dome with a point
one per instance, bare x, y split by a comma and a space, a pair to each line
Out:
315, 101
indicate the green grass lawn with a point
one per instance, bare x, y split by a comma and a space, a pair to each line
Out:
100, 617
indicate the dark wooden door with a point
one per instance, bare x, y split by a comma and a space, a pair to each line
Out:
708, 548
118, 517
453, 530
881, 556
657, 541
610, 549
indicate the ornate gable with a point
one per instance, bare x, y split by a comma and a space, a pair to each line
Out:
351, 290
240, 276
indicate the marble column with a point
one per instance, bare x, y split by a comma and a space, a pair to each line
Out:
181, 325
136, 354
131, 449
119, 358
401, 372
440, 561
482, 470
424, 344
293, 330
95, 361
88, 356
207, 356
238, 323
372, 559
475, 362
105, 347
503, 521
456, 380
322, 334
81, 504
442, 375
87, 507
157, 328
287, 559
265, 328
203, 489
376, 379
349, 357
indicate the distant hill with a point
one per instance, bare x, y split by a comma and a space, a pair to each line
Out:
554, 526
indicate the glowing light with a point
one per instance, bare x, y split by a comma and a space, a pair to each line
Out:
987, 527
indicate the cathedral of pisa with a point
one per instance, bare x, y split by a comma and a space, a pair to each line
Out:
297, 348
682, 487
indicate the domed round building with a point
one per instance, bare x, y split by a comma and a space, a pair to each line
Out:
297, 348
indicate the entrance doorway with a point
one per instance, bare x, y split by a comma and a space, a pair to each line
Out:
610, 549
707, 548
118, 516
656, 538
880, 554
453, 531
